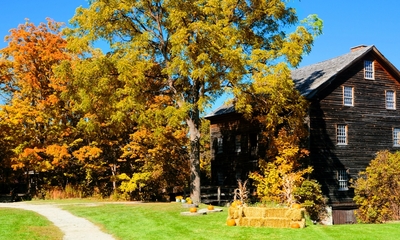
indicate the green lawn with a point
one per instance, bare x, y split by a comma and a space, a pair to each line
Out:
163, 221
20, 225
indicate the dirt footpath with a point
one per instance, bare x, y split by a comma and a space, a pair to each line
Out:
74, 228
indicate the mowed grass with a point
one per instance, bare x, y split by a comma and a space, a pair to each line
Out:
164, 221
21, 224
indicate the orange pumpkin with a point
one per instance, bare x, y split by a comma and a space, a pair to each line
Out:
296, 206
295, 225
193, 209
236, 203
231, 222
210, 207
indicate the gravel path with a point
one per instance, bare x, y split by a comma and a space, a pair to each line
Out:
74, 228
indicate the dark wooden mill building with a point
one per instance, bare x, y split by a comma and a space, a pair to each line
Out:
353, 114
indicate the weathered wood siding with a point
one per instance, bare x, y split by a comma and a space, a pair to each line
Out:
370, 126
228, 166
343, 217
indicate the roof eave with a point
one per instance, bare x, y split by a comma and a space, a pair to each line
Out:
332, 78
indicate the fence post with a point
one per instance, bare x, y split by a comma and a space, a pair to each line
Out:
219, 195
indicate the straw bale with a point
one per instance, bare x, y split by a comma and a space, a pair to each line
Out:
255, 222
277, 222
243, 221
264, 222
235, 212
274, 212
302, 223
239, 212
230, 211
284, 223
255, 212
267, 222
267, 217
294, 214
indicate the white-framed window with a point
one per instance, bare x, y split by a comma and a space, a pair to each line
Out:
341, 134
390, 99
396, 137
220, 145
348, 96
342, 180
238, 143
369, 69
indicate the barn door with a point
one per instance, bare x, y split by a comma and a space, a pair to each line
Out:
343, 216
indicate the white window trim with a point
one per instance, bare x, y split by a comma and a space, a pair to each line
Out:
340, 142
346, 97
396, 137
369, 69
343, 180
394, 100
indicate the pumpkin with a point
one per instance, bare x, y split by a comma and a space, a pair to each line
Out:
210, 207
236, 203
296, 206
295, 225
231, 222
193, 209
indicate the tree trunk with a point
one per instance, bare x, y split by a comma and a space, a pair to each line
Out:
194, 132
114, 173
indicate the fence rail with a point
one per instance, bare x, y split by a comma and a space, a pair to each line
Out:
217, 195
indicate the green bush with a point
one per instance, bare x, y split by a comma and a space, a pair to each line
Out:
309, 194
377, 189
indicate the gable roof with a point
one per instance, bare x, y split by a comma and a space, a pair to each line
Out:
222, 110
313, 78
310, 79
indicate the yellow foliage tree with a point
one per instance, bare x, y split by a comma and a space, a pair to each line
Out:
377, 189
281, 111
202, 49
279, 178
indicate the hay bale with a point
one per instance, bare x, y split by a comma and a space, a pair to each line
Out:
274, 212
294, 214
254, 212
266, 217
240, 212
302, 223
255, 222
282, 223
268, 222
277, 222
231, 211
244, 221
235, 212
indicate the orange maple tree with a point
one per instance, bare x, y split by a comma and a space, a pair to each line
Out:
71, 117
38, 117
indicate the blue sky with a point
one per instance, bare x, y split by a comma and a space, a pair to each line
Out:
347, 23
